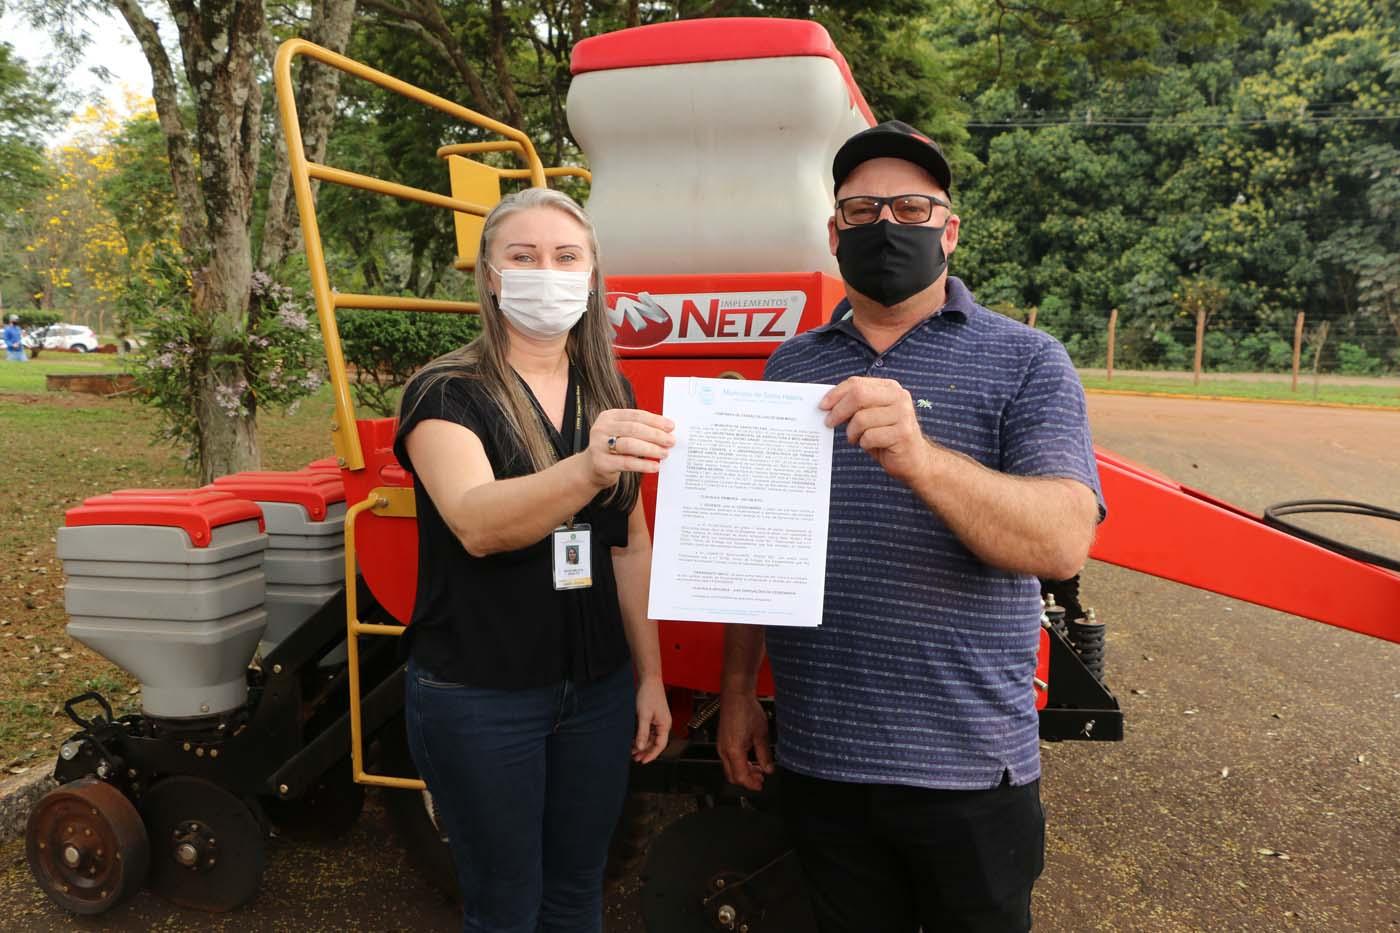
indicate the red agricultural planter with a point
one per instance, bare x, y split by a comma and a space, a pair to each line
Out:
260, 613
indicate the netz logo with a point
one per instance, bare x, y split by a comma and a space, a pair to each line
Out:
645, 319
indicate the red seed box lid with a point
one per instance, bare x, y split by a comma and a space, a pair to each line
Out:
196, 511
314, 491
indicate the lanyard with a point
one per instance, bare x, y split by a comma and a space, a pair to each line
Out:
549, 426
578, 417
578, 428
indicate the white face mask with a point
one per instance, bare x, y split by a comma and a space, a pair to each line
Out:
543, 302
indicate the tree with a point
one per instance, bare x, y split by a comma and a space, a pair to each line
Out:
209, 100
87, 237
140, 197
28, 104
318, 89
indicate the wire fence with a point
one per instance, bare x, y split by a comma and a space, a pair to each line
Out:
1352, 346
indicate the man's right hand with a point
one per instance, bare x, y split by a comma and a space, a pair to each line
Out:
743, 726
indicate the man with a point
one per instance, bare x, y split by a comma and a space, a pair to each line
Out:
909, 745
14, 341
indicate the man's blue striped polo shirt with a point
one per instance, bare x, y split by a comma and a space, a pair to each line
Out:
921, 671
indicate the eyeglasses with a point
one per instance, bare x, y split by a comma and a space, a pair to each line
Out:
904, 208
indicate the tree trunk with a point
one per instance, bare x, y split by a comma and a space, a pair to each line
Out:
220, 56
165, 90
499, 28
318, 87
219, 43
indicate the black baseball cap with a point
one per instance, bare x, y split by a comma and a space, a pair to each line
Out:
896, 140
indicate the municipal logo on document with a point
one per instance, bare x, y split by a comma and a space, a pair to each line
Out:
646, 319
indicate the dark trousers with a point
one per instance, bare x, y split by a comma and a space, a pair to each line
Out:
880, 858
528, 785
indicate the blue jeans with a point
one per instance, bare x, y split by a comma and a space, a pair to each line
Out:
528, 785
15, 356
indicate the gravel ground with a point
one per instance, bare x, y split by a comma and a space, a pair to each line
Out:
1258, 787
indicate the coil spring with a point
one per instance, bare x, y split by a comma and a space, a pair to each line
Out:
1054, 616
1086, 635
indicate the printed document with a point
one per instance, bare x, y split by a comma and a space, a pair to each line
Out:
742, 504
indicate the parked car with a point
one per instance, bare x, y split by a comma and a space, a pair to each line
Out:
62, 337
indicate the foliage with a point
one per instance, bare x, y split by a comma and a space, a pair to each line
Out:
1251, 173
33, 318
280, 351
386, 347
1237, 156
75, 254
29, 104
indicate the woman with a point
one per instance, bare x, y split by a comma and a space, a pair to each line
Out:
533, 570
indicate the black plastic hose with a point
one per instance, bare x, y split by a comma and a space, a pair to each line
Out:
1274, 516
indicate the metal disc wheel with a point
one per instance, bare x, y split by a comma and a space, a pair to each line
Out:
207, 845
86, 845
724, 868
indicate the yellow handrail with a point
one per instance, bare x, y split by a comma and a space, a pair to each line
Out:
390, 502
369, 183
345, 438
386, 501
500, 145
403, 303
556, 172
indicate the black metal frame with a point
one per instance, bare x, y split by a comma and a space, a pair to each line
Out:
1079, 706
296, 725
294, 728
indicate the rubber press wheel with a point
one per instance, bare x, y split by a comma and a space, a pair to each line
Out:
207, 848
86, 846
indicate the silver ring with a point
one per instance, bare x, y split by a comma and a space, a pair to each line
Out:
612, 443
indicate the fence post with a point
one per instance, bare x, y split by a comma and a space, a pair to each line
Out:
1200, 343
1030, 321
1112, 339
1317, 354
1297, 347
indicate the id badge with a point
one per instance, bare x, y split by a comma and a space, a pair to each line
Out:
573, 557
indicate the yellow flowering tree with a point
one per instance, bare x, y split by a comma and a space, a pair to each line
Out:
77, 255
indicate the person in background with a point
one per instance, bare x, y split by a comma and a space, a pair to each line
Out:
533, 668
962, 471
14, 341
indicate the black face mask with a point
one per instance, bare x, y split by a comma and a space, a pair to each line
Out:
889, 262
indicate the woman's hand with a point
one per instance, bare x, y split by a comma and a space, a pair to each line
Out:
639, 441
653, 721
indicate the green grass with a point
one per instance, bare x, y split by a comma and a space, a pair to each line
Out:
58, 450
29, 377
1386, 396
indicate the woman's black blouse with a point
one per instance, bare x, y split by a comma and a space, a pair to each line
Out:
498, 621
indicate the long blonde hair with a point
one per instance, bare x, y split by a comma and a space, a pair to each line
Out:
589, 347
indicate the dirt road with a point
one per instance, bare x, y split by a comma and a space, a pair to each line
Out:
1249, 732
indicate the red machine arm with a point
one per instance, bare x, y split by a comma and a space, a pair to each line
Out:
1160, 527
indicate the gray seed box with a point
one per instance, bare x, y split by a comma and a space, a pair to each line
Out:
184, 620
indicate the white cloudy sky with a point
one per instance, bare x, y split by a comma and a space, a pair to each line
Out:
111, 46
